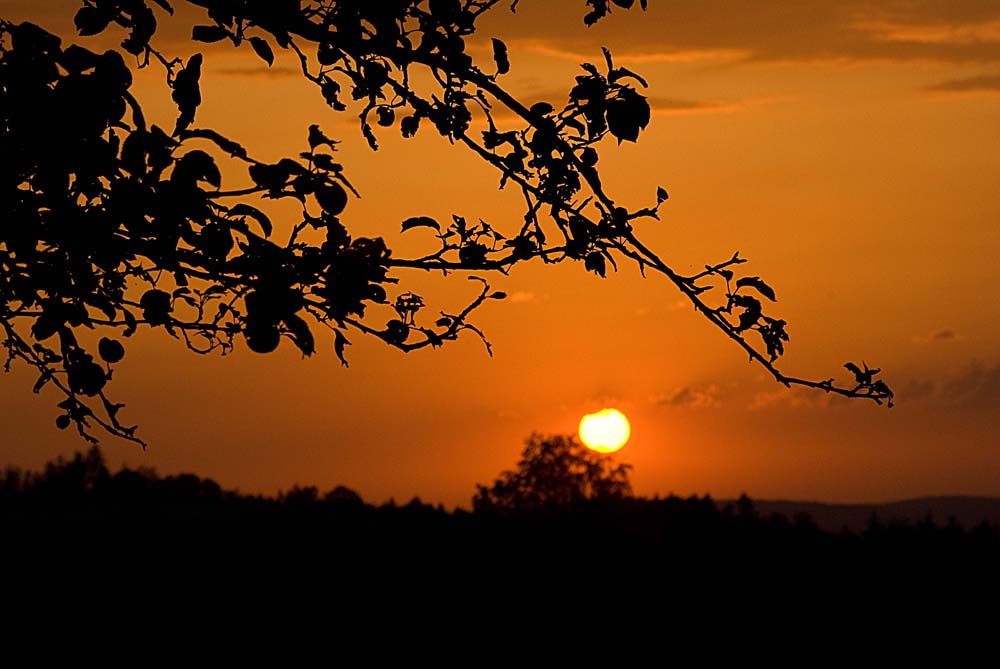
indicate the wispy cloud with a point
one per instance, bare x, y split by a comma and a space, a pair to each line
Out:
977, 386
691, 397
553, 49
262, 71
659, 105
772, 30
986, 83
790, 398
681, 105
522, 296
937, 336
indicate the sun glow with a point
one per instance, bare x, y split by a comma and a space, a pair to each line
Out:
605, 431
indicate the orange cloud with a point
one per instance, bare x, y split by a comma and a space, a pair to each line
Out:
986, 83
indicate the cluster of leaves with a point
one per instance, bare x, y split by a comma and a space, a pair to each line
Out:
556, 471
112, 223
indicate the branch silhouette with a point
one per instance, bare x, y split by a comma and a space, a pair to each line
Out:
115, 224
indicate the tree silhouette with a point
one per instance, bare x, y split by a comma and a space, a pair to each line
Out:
555, 471
111, 223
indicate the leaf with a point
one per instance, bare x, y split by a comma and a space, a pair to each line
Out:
229, 146
595, 263
92, 20
409, 126
607, 58
197, 166
501, 57
863, 377
499, 295
130, 323
661, 195
623, 72
301, 334
110, 350
330, 90
262, 49
209, 33
627, 115
757, 283
43, 379
317, 138
76, 59
339, 344
187, 93
254, 213
332, 198
420, 222
542, 108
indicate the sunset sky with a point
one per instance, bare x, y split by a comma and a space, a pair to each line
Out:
849, 149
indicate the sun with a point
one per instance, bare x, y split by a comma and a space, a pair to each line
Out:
605, 431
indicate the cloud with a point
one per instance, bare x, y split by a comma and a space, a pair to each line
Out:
261, 71
683, 105
554, 49
937, 336
791, 398
770, 30
986, 83
691, 397
559, 97
522, 296
977, 386
917, 390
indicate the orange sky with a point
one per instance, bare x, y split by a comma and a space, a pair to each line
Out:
848, 149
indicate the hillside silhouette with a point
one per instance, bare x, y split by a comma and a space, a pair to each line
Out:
964, 510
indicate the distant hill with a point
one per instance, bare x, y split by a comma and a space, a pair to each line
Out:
967, 511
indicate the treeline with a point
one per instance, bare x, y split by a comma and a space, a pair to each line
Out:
82, 492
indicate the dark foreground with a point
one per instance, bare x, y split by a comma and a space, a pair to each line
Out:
76, 512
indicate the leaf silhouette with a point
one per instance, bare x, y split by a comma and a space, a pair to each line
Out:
234, 149
758, 284
627, 115
339, 344
595, 262
242, 209
110, 350
92, 20
262, 49
420, 221
301, 334
187, 93
501, 57
332, 197
318, 139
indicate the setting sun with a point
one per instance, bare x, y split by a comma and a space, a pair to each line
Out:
605, 431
